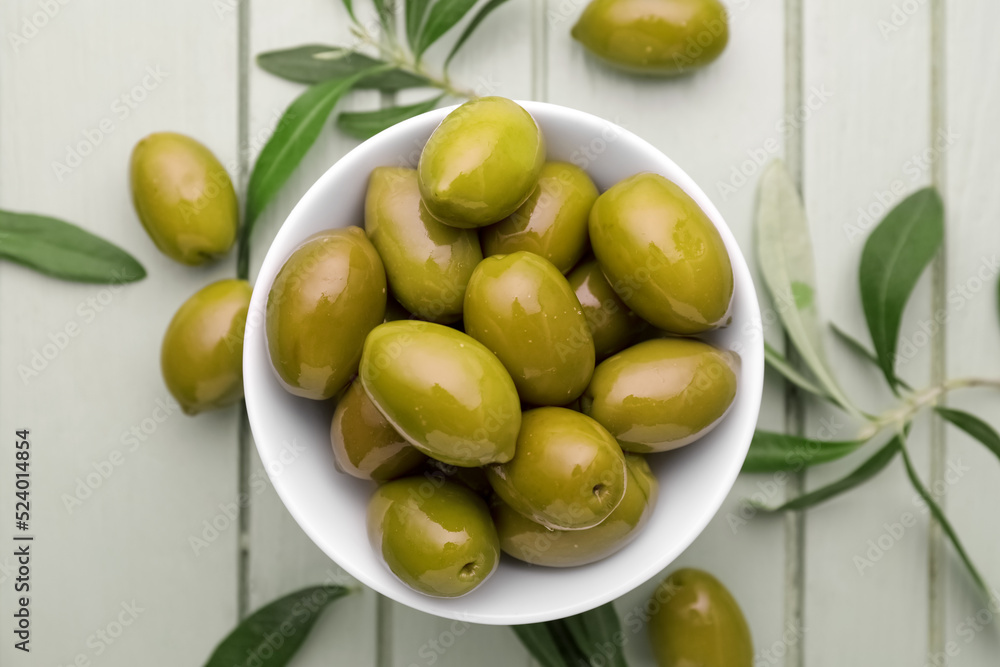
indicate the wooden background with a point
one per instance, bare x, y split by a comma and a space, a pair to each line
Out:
865, 99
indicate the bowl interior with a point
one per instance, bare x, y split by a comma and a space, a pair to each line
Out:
292, 434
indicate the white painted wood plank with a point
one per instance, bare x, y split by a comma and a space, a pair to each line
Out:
973, 206
282, 557
858, 143
498, 60
710, 124
129, 541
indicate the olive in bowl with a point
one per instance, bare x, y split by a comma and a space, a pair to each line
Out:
693, 480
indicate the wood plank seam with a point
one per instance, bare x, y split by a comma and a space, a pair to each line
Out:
937, 555
795, 522
244, 438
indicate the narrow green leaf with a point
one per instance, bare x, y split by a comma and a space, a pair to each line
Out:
859, 348
778, 362
349, 6
317, 63
484, 11
63, 250
416, 11
295, 134
538, 639
863, 473
271, 636
943, 520
443, 17
974, 426
565, 642
771, 452
786, 261
598, 635
895, 255
365, 124
384, 11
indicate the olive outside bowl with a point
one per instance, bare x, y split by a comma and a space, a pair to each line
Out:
292, 434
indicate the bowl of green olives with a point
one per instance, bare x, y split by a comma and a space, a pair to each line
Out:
503, 362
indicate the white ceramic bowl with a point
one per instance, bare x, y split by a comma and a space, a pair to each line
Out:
292, 434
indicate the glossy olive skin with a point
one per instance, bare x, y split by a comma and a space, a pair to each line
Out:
326, 298
567, 472
662, 394
446, 393
654, 37
481, 163
183, 197
202, 353
552, 222
662, 255
365, 445
427, 263
697, 622
523, 309
612, 324
533, 543
438, 540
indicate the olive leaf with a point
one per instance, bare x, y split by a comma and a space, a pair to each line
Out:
480, 16
974, 426
442, 18
773, 452
566, 643
541, 644
938, 513
786, 261
384, 11
63, 250
416, 11
365, 124
859, 348
296, 132
861, 474
272, 635
317, 63
895, 255
778, 362
598, 634
349, 6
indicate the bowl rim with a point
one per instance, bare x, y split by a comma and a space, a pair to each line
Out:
752, 368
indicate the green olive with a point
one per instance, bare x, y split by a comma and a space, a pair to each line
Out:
183, 197
612, 324
533, 543
662, 394
365, 445
202, 353
662, 255
325, 299
654, 37
438, 539
696, 621
567, 472
481, 163
552, 222
427, 263
443, 390
523, 309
